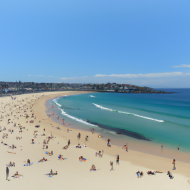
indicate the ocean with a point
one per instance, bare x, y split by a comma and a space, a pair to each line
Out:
150, 118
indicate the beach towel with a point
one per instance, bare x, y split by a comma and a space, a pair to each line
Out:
28, 164
42, 161
49, 175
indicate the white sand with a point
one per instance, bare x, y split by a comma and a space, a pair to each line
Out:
73, 174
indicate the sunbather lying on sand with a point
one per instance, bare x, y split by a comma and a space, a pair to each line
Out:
93, 168
65, 147
150, 173
78, 146
11, 152
82, 159
42, 160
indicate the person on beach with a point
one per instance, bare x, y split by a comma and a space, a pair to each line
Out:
93, 168
60, 157
79, 136
177, 147
170, 175
69, 142
78, 146
92, 130
109, 143
150, 173
138, 174
161, 146
125, 147
99, 154
141, 174
174, 168
117, 159
65, 147
111, 164
28, 161
7, 172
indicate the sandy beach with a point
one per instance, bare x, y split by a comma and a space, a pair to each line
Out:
72, 173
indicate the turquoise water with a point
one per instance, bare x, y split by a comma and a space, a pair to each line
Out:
160, 118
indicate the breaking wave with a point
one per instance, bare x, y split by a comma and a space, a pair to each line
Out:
56, 103
76, 119
127, 113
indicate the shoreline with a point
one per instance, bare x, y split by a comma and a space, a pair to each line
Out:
166, 155
138, 144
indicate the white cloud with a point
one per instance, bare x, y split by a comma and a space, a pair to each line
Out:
148, 75
182, 65
159, 80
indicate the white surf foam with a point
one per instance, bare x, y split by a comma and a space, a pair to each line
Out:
57, 103
76, 119
103, 108
91, 96
127, 113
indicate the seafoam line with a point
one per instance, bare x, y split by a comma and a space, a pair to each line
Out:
127, 113
76, 119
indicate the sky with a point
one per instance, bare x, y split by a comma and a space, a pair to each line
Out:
145, 43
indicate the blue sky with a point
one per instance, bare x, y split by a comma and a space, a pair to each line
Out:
137, 42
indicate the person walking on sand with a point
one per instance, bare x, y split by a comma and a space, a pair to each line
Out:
78, 136
117, 159
174, 164
111, 164
7, 172
161, 146
69, 142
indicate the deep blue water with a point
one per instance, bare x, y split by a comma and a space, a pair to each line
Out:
160, 118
